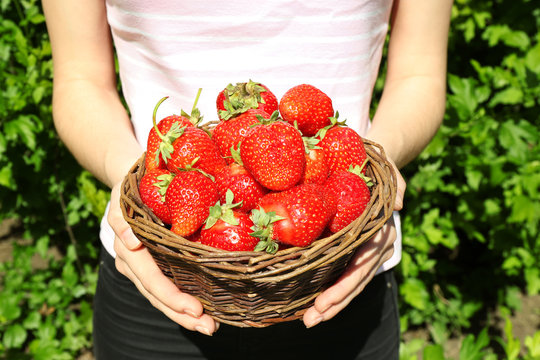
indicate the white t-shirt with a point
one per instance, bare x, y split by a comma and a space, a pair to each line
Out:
173, 48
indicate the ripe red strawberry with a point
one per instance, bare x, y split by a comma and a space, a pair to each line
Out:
227, 228
349, 189
194, 147
273, 153
167, 128
236, 99
152, 188
342, 146
302, 215
229, 133
307, 106
316, 165
189, 197
245, 188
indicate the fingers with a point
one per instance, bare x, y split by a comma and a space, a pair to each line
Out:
182, 308
117, 222
401, 186
135, 262
358, 274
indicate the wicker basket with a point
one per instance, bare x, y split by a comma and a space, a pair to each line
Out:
254, 289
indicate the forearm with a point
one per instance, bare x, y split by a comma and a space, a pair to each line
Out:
408, 116
95, 127
87, 111
413, 100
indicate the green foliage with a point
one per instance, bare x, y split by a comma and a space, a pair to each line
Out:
37, 173
477, 347
45, 311
472, 209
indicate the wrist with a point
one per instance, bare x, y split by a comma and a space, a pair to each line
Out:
392, 143
119, 161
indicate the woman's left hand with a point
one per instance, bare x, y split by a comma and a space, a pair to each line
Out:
368, 259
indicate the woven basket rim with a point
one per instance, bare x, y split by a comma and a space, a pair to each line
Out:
253, 261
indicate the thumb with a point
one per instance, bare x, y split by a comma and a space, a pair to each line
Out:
401, 186
119, 225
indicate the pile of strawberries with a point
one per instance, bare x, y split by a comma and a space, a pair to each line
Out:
269, 175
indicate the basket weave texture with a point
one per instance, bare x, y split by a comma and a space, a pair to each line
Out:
256, 289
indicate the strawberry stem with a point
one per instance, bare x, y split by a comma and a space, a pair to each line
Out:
364, 164
196, 100
161, 136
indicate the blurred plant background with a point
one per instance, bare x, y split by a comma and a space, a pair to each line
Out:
471, 222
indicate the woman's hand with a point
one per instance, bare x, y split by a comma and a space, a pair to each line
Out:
368, 259
135, 262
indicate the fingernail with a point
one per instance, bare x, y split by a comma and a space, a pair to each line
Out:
130, 240
132, 243
314, 322
191, 313
203, 330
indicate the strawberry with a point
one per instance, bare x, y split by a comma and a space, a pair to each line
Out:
189, 197
228, 133
349, 189
227, 228
194, 147
167, 128
316, 165
237, 99
308, 107
342, 146
295, 217
273, 152
152, 189
185, 146
245, 188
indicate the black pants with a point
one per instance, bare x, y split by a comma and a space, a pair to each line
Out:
127, 326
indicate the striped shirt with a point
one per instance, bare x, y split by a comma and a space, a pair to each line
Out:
173, 48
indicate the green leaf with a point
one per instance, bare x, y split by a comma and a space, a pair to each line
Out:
510, 264
6, 177
532, 59
24, 128
33, 320
3, 143
415, 293
46, 349
473, 349
434, 352
508, 96
524, 209
515, 138
474, 177
70, 275
533, 345
14, 336
495, 34
9, 307
46, 331
463, 99
532, 277
512, 345
38, 93
42, 246
512, 298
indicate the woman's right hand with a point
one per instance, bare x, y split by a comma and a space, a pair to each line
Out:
135, 262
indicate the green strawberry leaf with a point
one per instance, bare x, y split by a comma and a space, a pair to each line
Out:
223, 211
235, 154
163, 183
214, 215
267, 245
